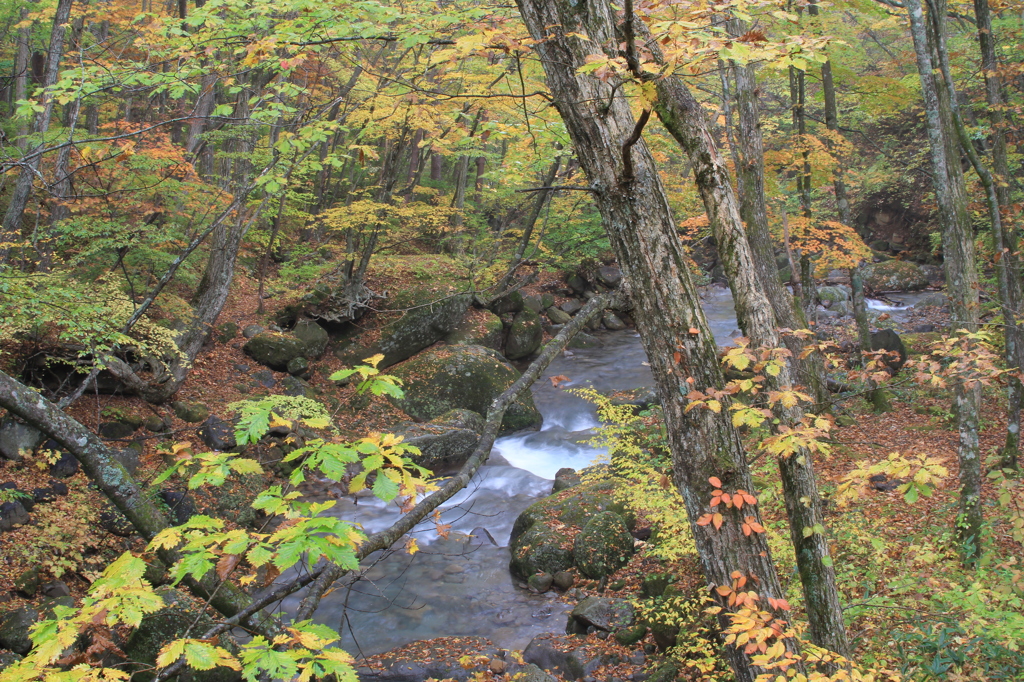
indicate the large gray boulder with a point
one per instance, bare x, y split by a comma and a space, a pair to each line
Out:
275, 349
480, 328
17, 438
525, 336
428, 317
468, 377
894, 275
14, 628
313, 335
603, 546
602, 613
445, 443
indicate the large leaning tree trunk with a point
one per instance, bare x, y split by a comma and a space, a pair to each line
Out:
631, 198
685, 119
960, 262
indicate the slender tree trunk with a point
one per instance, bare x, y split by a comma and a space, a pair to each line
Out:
754, 213
629, 194
436, 167
201, 113
797, 97
960, 262
21, 71
1004, 236
30, 167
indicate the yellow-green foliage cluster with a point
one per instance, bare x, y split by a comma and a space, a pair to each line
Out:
639, 458
90, 316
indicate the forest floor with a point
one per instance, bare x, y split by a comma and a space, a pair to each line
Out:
63, 537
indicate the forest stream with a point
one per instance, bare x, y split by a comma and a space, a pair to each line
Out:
460, 585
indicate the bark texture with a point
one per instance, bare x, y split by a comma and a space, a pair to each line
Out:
666, 308
960, 261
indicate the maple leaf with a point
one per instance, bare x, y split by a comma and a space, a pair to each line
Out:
558, 380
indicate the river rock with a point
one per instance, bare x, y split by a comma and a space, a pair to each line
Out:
539, 550
8, 658
444, 447
115, 430
479, 328
525, 336
558, 316
180, 504
252, 330
17, 438
833, 294
468, 377
275, 350
563, 580
540, 582
193, 413
217, 433
66, 466
27, 584
439, 660
932, 300
14, 629
610, 276
888, 340
539, 547
299, 367
602, 613
584, 340
603, 546
573, 664
12, 514
533, 303
531, 673
295, 387
313, 335
510, 303
565, 478
155, 424
894, 275
612, 322
428, 316
171, 622
572, 306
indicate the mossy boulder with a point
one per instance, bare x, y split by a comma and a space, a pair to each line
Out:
481, 328
428, 316
540, 549
603, 546
468, 377
833, 294
14, 629
275, 349
895, 275
313, 335
540, 542
525, 336
445, 443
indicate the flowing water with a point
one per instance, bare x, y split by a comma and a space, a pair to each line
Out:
460, 585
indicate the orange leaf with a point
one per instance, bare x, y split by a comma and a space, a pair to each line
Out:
717, 521
677, 357
723, 590
704, 520
694, 330
558, 380
715, 482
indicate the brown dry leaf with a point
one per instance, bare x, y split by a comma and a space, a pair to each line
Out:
227, 563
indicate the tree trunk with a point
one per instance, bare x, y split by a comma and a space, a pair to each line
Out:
21, 69
436, 167
684, 118
960, 263
30, 167
1004, 236
631, 199
754, 213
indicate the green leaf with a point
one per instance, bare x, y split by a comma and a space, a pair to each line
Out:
385, 488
